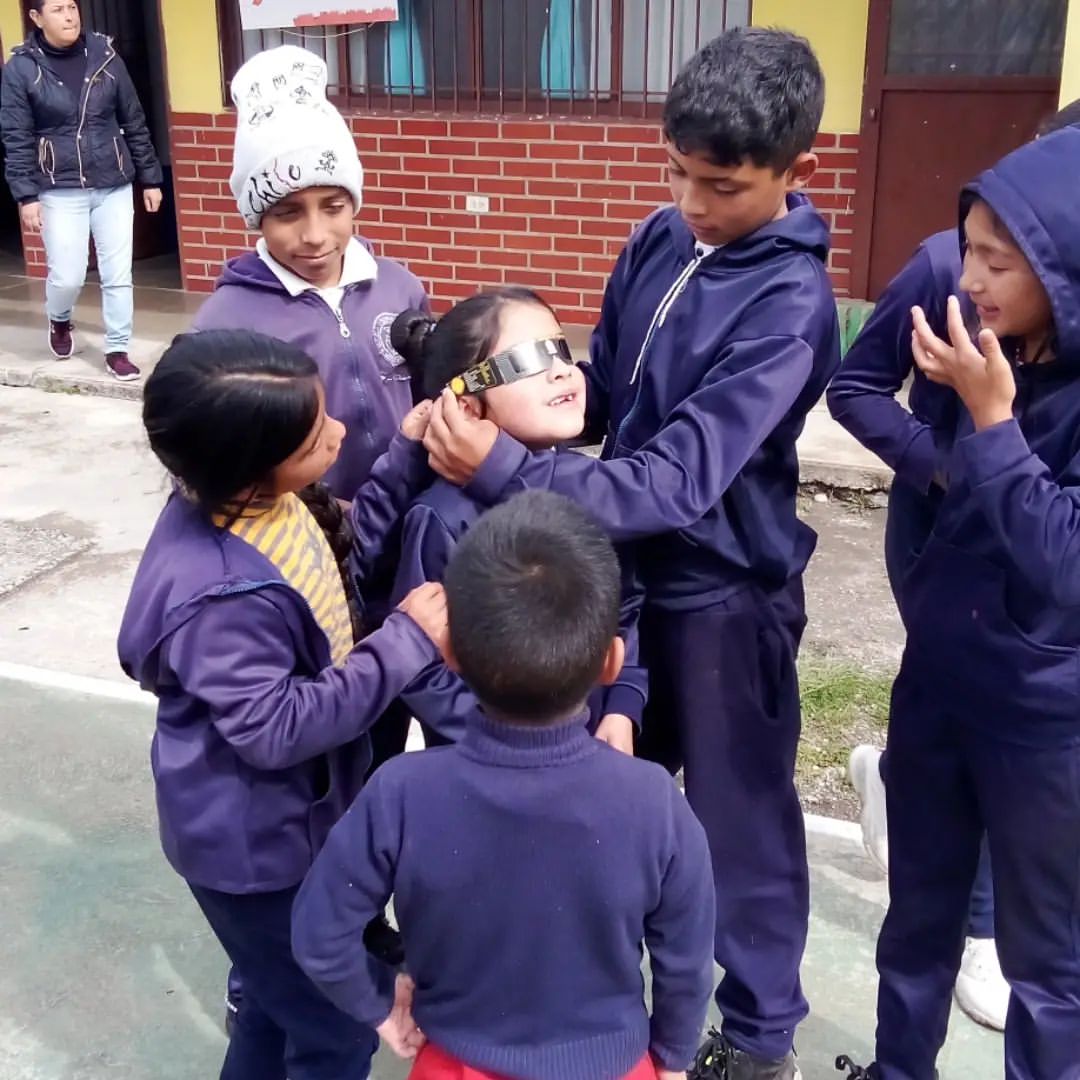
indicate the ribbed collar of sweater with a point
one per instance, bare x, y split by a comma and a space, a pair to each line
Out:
527, 746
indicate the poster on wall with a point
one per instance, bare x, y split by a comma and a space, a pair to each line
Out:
276, 14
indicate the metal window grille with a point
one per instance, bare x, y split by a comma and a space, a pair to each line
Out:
536, 57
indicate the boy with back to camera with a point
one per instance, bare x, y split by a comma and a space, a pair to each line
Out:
529, 862
718, 334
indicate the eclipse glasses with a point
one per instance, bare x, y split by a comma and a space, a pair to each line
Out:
528, 358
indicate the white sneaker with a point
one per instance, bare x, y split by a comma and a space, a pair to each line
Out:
981, 989
865, 776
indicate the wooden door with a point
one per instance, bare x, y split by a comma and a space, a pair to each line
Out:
951, 86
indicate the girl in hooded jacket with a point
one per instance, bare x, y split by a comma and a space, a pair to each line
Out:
985, 721
239, 622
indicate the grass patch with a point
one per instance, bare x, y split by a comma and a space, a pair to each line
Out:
842, 706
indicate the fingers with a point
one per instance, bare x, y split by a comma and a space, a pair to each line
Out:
437, 434
415, 424
928, 340
954, 318
990, 347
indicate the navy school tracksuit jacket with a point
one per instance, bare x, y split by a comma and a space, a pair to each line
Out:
704, 367
993, 602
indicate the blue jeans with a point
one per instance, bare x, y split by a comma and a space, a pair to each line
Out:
70, 216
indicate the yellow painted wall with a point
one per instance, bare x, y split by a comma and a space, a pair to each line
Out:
1070, 68
837, 31
11, 24
194, 55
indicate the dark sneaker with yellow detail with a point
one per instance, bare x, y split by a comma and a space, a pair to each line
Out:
719, 1060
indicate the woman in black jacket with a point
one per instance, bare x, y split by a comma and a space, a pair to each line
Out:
75, 138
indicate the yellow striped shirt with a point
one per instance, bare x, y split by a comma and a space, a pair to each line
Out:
291, 539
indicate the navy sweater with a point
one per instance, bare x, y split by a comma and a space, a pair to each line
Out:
703, 369
527, 866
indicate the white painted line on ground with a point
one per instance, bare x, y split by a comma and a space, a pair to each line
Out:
818, 824
204, 1023
79, 684
13, 827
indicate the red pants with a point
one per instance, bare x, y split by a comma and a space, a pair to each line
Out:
435, 1064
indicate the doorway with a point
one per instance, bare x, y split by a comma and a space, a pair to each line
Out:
135, 29
951, 86
136, 32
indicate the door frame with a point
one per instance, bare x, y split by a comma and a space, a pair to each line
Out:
875, 83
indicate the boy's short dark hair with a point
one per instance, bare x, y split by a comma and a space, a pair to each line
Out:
533, 598
751, 93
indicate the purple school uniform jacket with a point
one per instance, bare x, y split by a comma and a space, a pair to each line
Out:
260, 744
993, 603
704, 366
432, 528
367, 383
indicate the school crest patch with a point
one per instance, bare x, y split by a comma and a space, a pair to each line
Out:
380, 331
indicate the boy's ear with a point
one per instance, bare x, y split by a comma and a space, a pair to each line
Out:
802, 169
613, 661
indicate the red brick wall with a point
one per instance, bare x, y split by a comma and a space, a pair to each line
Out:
563, 199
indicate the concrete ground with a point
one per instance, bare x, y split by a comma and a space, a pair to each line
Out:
109, 971
111, 974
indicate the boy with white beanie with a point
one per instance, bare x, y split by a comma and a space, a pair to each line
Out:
298, 180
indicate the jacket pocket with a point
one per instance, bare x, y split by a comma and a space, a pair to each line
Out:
959, 624
47, 159
122, 157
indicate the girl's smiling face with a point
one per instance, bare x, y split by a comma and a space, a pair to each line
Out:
312, 459
1009, 298
545, 408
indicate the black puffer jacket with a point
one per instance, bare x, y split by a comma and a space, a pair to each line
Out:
53, 140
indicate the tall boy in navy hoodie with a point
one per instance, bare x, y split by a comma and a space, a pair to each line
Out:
529, 862
718, 333
985, 725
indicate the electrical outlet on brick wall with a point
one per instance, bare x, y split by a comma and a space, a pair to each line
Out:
477, 204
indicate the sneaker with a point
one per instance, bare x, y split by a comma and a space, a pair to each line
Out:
120, 367
384, 942
231, 1011
719, 1060
857, 1072
981, 989
61, 341
865, 774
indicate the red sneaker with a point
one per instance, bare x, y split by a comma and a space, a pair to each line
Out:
120, 367
61, 341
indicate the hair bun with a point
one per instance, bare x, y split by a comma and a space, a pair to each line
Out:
408, 334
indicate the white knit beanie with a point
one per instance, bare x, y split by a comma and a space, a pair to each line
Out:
288, 135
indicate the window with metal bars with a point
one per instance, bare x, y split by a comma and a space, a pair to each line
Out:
551, 57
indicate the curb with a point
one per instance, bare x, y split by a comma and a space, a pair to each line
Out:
828, 474
53, 383
843, 477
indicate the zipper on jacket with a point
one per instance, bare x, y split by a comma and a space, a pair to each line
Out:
82, 118
119, 156
343, 326
661, 313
